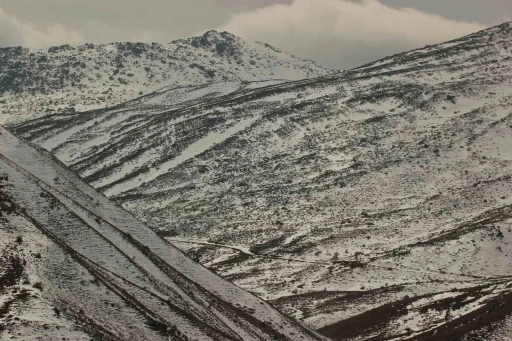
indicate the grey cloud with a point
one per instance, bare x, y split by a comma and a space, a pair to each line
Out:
337, 33
16, 32
345, 34
166, 19
489, 12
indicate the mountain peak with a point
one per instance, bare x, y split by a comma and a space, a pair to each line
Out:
94, 76
223, 43
212, 34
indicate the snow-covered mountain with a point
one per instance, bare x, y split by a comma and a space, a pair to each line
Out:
64, 78
74, 266
373, 204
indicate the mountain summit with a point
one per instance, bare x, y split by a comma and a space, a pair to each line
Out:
65, 78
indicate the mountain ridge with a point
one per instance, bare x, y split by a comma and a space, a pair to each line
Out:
38, 82
336, 197
62, 236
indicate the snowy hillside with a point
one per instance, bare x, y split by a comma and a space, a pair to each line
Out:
64, 78
372, 204
74, 266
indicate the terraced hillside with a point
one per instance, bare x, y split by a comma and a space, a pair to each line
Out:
75, 266
373, 204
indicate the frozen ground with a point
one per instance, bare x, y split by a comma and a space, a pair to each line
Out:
75, 266
372, 204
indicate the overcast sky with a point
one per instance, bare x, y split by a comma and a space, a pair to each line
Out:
336, 33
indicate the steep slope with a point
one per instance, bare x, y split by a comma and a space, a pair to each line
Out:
373, 204
64, 78
74, 265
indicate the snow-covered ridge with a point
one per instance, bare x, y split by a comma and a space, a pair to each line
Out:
377, 198
79, 247
37, 82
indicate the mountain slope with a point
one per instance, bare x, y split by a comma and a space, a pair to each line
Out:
370, 204
38, 82
63, 244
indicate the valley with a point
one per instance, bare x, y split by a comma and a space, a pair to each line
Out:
368, 204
